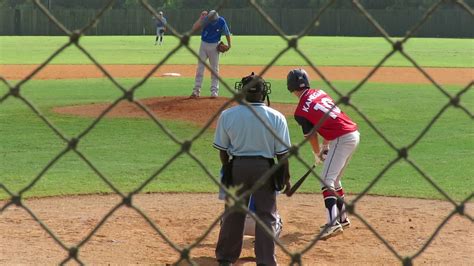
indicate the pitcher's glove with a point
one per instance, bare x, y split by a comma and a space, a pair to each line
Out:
222, 48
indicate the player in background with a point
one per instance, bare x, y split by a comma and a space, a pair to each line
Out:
213, 26
340, 139
160, 28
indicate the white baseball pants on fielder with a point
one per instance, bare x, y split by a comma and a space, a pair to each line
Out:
340, 152
207, 50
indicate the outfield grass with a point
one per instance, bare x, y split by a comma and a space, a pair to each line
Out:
127, 151
247, 50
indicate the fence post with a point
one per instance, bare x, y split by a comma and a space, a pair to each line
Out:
17, 22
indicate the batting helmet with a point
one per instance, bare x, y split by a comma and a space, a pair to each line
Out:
297, 79
254, 85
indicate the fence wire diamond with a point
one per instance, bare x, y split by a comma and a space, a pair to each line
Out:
71, 143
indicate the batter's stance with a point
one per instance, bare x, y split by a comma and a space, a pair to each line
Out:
340, 139
213, 26
160, 28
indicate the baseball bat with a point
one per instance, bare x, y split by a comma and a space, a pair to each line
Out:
298, 183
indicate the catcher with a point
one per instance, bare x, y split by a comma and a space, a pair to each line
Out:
249, 226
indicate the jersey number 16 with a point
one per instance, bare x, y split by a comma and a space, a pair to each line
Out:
325, 106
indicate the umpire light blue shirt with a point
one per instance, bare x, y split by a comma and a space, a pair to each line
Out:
241, 133
213, 30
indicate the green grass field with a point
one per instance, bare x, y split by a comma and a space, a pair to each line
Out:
249, 50
127, 151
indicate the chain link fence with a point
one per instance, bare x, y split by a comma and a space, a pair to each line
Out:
235, 202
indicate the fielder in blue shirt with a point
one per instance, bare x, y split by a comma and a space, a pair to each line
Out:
213, 26
160, 28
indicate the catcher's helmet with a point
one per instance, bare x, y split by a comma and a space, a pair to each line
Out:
297, 79
254, 84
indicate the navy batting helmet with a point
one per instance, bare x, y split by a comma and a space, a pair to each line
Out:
297, 79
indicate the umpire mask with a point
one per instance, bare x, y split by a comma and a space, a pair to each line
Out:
254, 88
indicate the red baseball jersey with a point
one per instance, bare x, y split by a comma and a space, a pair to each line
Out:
313, 105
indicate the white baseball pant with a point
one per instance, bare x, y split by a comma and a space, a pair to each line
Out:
339, 155
207, 50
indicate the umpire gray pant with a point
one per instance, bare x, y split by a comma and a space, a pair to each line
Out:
246, 171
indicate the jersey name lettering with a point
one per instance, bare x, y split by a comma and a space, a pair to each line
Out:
310, 100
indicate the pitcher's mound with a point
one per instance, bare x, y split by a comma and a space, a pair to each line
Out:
196, 111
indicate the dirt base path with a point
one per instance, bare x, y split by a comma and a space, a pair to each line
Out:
457, 76
126, 238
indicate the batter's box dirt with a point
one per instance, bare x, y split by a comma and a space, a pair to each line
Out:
127, 239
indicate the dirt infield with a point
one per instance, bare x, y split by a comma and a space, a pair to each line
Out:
127, 239
400, 75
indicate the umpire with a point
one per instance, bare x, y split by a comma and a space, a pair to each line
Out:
249, 147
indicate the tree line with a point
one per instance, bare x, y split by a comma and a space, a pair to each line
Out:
209, 4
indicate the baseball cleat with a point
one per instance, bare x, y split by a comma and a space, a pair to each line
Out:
346, 223
214, 94
330, 231
194, 95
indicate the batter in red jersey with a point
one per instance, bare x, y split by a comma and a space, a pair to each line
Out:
317, 115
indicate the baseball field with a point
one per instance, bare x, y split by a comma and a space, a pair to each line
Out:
72, 192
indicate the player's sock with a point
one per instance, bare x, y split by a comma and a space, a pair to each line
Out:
161, 40
340, 204
330, 200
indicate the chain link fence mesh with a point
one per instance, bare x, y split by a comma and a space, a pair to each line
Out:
235, 202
